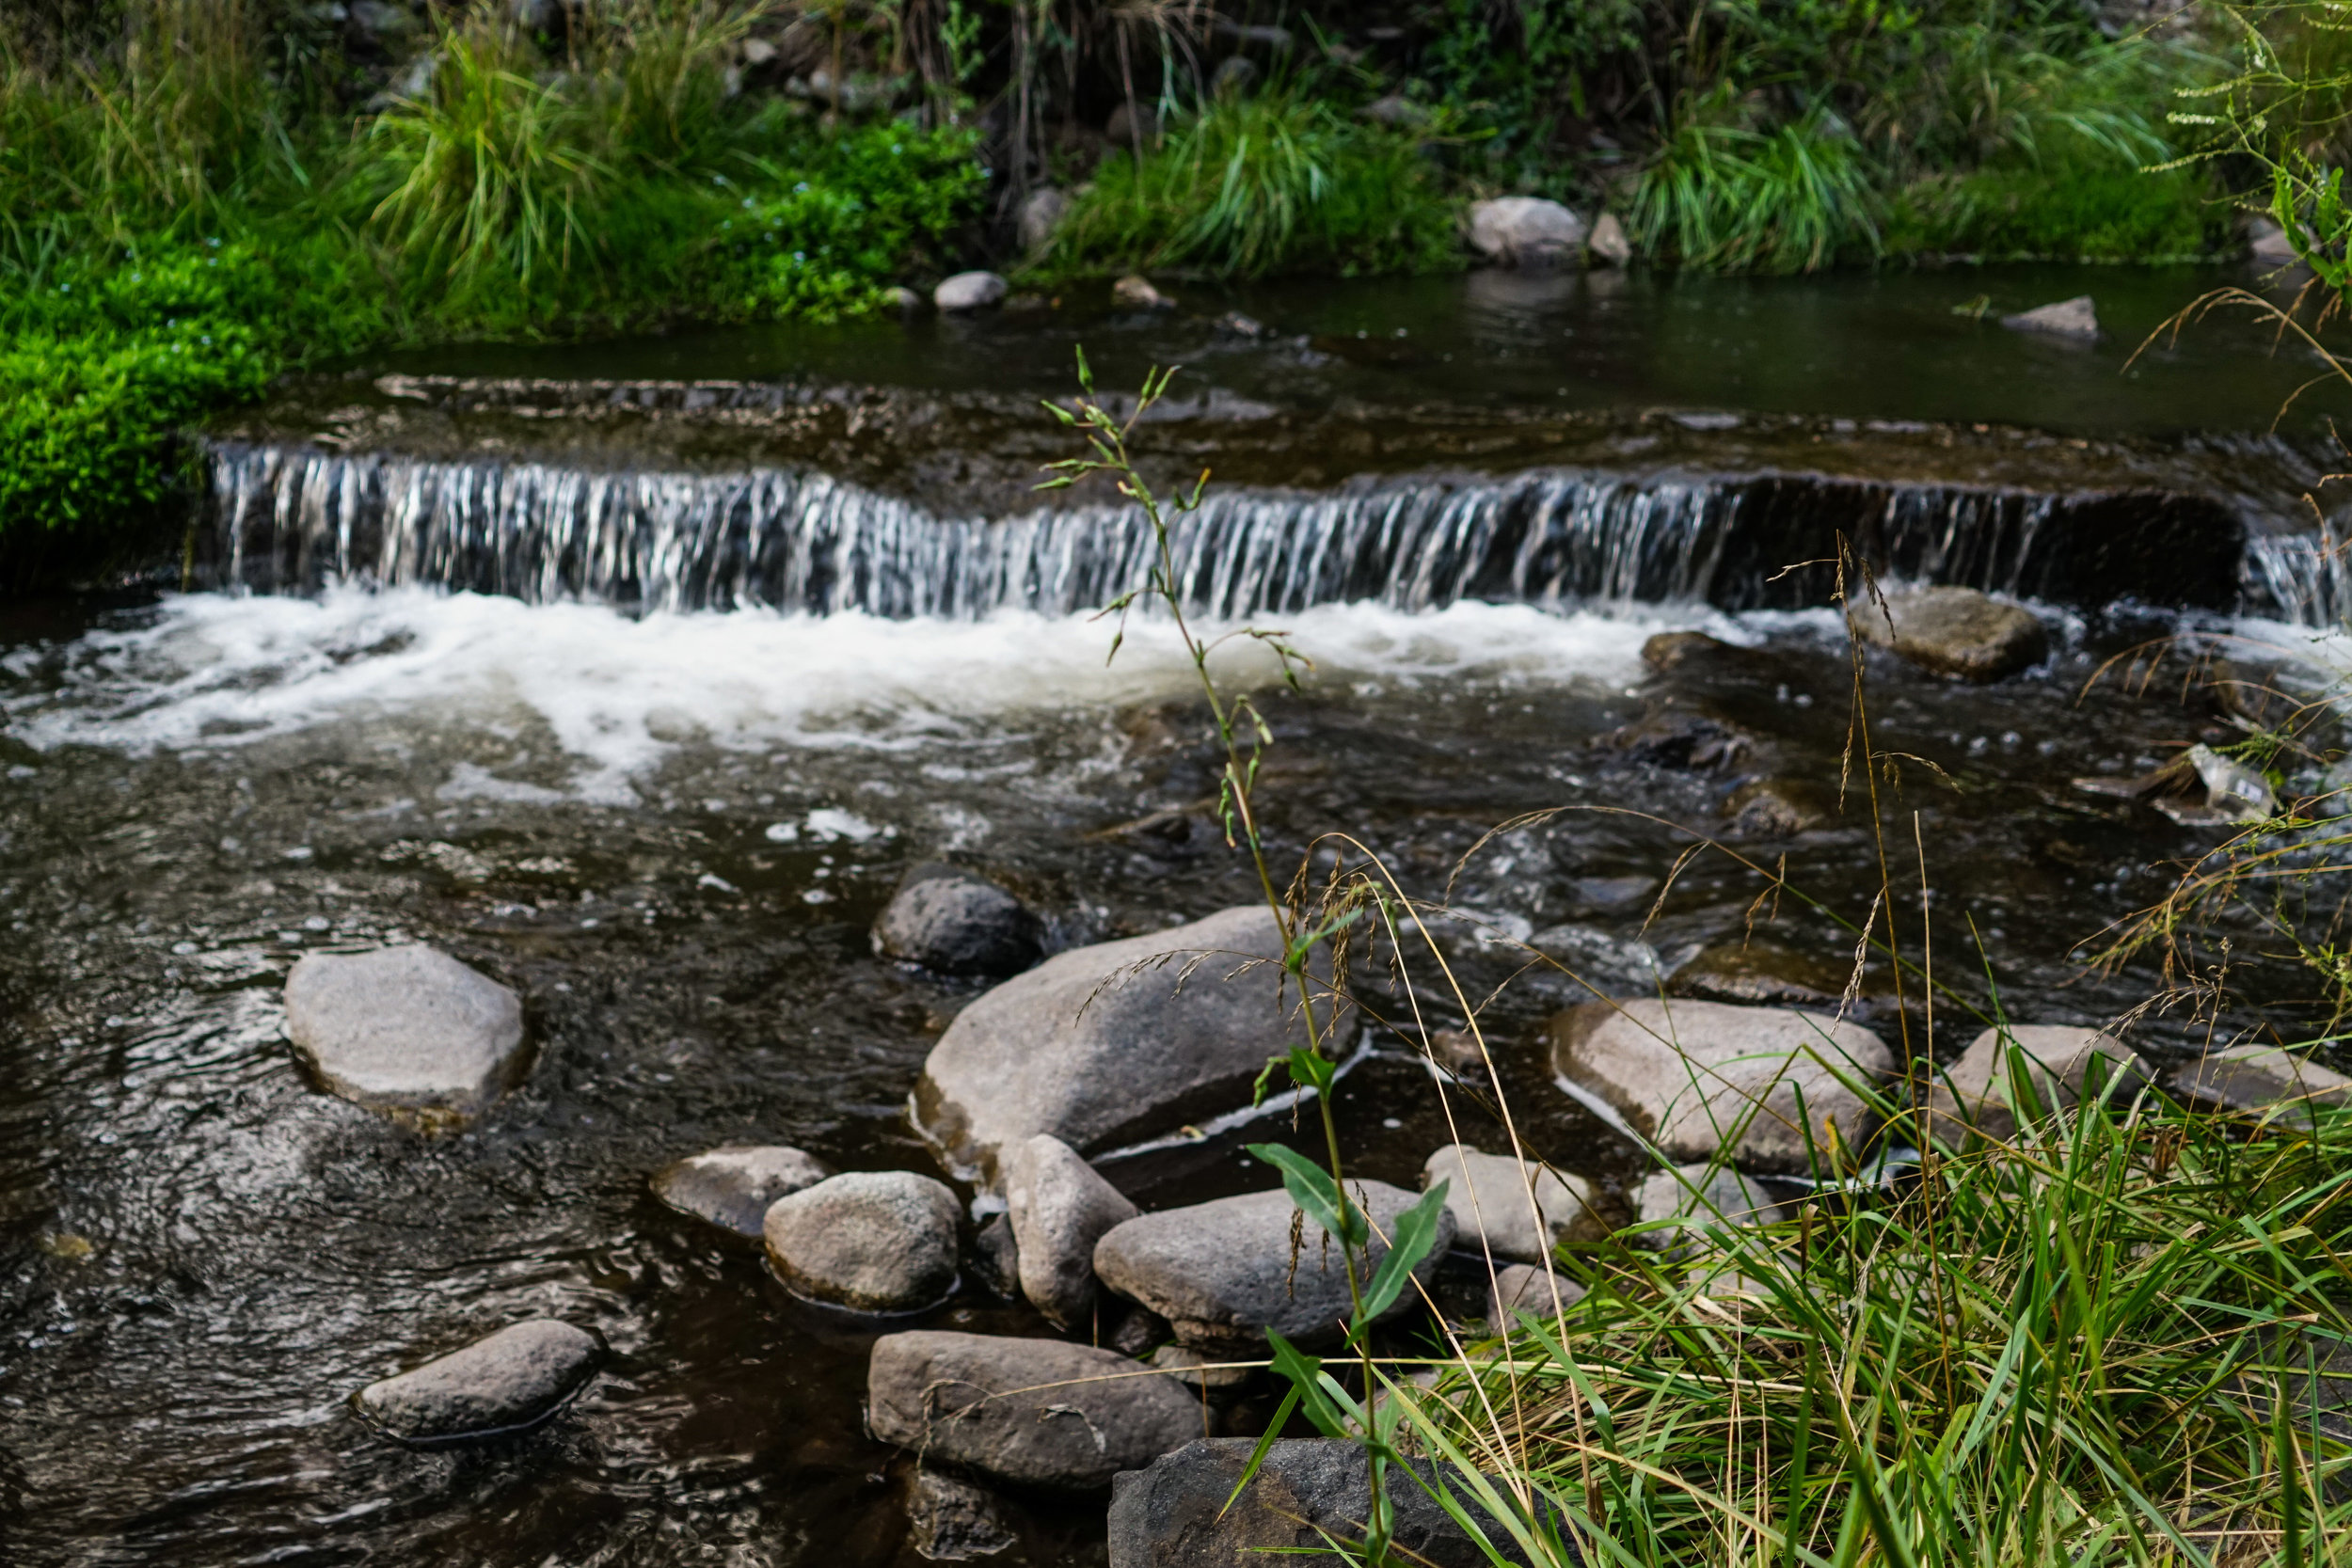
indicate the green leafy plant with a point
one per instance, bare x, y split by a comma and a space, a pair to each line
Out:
1724, 198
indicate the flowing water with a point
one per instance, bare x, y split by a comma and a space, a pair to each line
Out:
638, 676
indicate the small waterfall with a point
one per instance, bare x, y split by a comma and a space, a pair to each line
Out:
2299, 577
295, 519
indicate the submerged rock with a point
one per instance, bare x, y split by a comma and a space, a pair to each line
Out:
2263, 1079
408, 1030
951, 1520
1695, 1075
2076, 318
1973, 1092
1222, 1273
1488, 1197
732, 1186
951, 920
1033, 1412
1522, 231
1060, 1207
1111, 1043
870, 1241
1954, 631
1309, 1491
969, 290
510, 1381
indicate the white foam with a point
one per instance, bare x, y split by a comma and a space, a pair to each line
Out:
618, 694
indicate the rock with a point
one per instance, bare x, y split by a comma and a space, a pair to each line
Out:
1674, 650
732, 1186
1609, 245
1759, 973
2068, 318
870, 1241
1221, 1273
1974, 1090
1527, 1287
408, 1031
1672, 738
1602, 962
1139, 1332
510, 1381
1780, 808
1309, 1491
957, 923
1111, 1043
1135, 293
1954, 631
1610, 894
1690, 1075
1520, 230
1234, 325
969, 290
1033, 1412
2269, 245
1041, 216
996, 1258
1133, 123
1703, 1199
902, 299
1234, 76
1488, 1200
1203, 1372
1396, 111
953, 1521
1060, 1206
2264, 1080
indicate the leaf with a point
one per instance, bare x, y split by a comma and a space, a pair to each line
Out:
1325, 1403
1416, 1232
1312, 1069
1064, 415
1312, 1188
1265, 1080
1086, 371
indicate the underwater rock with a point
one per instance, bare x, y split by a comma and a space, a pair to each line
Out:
511, 1380
408, 1030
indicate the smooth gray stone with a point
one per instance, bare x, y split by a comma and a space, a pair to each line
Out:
1173, 1514
511, 1380
996, 1257
951, 1520
1691, 1074
957, 923
1110, 1044
969, 290
408, 1031
732, 1186
2263, 1079
2077, 318
1486, 1195
1954, 631
1223, 1274
1033, 1412
1972, 1092
1518, 229
1040, 216
1702, 1200
1060, 1206
870, 1241
1520, 1287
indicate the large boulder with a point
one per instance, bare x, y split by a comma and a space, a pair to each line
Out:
408, 1031
957, 923
1954, 631
1222, 1273
1112, 1043
969, 290
1694, 1077
1520, 230
870, 1241
1034, 1412
1060, 1206
1973, 1092
732, 1186
1309, 1493
2262, 1080
509, 1382
1488, 1197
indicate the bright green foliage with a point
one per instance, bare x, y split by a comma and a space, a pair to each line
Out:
1279, 182
1727, 199
2090, 211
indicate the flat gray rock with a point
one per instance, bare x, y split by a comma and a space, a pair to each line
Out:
1223, 1274
957, 923
1692, 1076
870, 1241
2077, 318
1033, 1412
1954, 631
408, 1031
1488, 1197
514, 1379
732, 1186
2262, 1080
1173, 1514
969, 290
1973, 1092
1110, 1044
1060, 1206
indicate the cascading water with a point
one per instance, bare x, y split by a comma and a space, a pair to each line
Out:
2300, 578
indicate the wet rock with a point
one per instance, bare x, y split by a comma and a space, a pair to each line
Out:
1676, 650
969, 290
1610, 246
1692, 1075
1672, 738
1524, 230
1033, 1412
1488, 1197
1599, 962
1780, 808
950, 1520
1136, 293
1759, 973
2076, 318
1700, 1199
2263, 1079
1396, 111
1222, 1273
732, 1186
1309, 1491
1133, 123
408, 1030
1060, 1206
870, 1241
1974, 1091
996, 1258
902, 299
1205, 1373
1608, 894
1234, 325
1527, 1287
1138, 1331
510, 1381
956, 923
1041, 216
1955, 631
1108, 1044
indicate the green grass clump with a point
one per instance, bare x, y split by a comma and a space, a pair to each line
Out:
1727, 199
2090, 211
1252, 186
